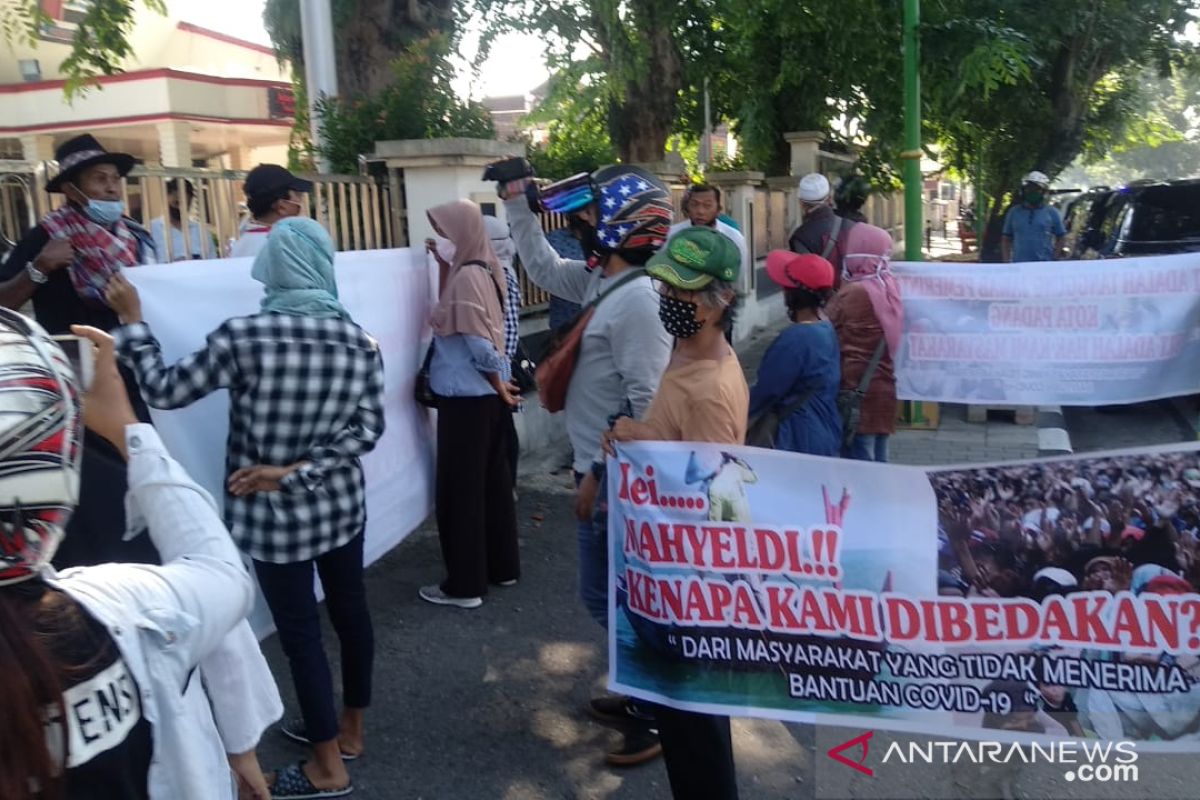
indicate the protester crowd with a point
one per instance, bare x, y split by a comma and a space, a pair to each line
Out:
651, 359
1109, 524
1114, 524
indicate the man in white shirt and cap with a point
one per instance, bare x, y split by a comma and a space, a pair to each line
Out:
272, 194
822, 231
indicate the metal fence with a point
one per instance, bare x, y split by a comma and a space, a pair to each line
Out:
356, 210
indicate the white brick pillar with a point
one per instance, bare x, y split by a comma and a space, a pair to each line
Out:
804, 145
737, 195
175, 144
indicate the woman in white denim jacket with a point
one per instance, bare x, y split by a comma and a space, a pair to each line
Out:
103, 697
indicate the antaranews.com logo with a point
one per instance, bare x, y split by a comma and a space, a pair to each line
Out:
1082, 761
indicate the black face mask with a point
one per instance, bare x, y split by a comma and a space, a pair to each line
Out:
679, 317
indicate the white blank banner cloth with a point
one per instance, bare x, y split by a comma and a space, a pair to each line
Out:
388, 293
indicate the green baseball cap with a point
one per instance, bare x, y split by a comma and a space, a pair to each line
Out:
694, 258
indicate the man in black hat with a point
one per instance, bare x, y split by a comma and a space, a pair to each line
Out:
64, 262
272, 193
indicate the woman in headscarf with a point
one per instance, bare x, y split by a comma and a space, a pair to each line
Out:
868, 314
477, 521
305, 402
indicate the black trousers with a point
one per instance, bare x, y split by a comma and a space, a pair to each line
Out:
288, 589
477, 520
698, 751
514, 446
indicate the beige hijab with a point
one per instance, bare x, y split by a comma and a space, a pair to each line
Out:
472, 301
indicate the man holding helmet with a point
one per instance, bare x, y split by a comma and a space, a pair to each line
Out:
1033, 231
625, 214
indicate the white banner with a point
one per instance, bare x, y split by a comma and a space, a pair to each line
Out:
389, 294
1061, 333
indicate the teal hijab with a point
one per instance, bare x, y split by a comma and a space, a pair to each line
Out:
296, 269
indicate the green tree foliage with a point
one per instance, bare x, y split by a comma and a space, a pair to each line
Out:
637, 58
577, 125
1011, 87
418, 103
1161, 142
812, 65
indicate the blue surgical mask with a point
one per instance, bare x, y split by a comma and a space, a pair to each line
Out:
104, 212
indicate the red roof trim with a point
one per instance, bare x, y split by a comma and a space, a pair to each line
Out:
84, 124
146, 75
188, 27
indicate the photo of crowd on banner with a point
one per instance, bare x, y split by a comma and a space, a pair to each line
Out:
1121, 523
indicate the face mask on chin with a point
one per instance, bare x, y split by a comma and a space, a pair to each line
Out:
1034, 197
101, 212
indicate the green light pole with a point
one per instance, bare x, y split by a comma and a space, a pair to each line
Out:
914, 188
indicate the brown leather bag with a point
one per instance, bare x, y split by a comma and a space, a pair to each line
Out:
556, 367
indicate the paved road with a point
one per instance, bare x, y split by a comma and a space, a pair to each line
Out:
1140, 425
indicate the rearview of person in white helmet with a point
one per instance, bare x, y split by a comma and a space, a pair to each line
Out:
822, 231
102, 695
1033, 231
624, 213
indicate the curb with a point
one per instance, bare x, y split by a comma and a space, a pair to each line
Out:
1053, 439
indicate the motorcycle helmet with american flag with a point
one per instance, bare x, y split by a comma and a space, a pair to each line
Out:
40, 446
633, 209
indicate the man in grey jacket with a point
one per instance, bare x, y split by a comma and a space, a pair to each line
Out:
623, 354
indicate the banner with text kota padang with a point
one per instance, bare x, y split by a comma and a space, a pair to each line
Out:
1039, 598
1061, 333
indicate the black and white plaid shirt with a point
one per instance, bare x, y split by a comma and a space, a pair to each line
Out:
300, 389
512, 313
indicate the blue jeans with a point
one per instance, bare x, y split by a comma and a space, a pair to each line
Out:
869, 447
593, 565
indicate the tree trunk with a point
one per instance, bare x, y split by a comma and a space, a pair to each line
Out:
989, 249
369, 36
642, 121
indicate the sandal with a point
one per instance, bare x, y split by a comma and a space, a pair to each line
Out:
292, 784
294, 730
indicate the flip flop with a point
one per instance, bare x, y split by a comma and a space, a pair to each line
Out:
292, 784
294, 730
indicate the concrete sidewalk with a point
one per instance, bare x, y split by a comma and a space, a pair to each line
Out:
488, 704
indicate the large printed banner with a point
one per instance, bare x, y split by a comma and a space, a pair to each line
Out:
1047, 598
1059, 333
388, 292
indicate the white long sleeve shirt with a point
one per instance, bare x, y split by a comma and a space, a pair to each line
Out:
166, 620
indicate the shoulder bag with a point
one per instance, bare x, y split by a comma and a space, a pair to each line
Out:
554, 371
763, 429
830, 243
849, 401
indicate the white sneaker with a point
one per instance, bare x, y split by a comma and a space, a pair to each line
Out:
512, 582
434, 594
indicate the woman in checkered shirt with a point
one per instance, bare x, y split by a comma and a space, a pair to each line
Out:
305, 402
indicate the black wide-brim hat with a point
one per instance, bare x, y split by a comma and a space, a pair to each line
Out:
75, 155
